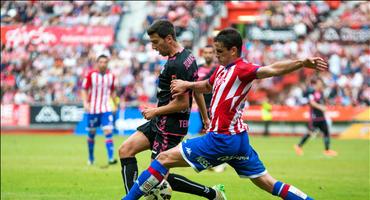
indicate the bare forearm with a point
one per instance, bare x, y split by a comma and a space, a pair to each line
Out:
177, 105
280, 68
318, 106
200, 86
199, 98
284, 67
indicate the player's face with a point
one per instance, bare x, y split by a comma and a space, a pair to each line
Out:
319, 85
102, 64
159, 44
224, 55
208, 54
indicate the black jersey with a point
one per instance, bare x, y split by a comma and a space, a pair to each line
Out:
318, 97
181, 66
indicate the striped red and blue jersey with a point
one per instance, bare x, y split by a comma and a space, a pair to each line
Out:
99, 87
230, 85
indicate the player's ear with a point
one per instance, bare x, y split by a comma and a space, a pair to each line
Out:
234, 51
168, 38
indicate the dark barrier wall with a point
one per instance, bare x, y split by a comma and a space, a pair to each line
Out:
56, 114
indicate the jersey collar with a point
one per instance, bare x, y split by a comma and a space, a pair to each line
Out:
233, 63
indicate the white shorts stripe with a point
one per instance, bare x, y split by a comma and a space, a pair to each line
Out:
186, 159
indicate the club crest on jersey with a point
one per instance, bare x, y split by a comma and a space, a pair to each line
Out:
220, 80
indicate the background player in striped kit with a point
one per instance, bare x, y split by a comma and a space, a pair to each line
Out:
98, 88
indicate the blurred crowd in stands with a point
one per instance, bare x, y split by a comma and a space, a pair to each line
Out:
348, 80
65, 13
53, 74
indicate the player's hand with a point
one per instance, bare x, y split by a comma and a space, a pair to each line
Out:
316, 63
149, 113
206, 123
178, 87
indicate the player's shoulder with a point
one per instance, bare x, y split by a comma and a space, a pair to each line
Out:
184, 55
183, 60
201, 66
91, 72
246, 66
109, 72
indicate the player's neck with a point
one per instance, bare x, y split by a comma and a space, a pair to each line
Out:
176, 47
102, 71
231, 61
208, 65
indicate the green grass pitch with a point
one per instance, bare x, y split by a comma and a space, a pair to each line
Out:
55, 167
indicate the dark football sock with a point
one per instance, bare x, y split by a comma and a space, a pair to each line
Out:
129, 172
303, 140
181, 184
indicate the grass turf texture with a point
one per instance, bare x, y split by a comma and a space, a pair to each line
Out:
55, 167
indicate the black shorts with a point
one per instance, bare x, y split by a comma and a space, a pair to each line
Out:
321, 125
159, 142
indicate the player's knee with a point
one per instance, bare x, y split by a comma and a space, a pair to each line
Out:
107, 131
265, 182
164, 158
126, 150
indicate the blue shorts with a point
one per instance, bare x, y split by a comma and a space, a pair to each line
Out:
102, 119
214, 149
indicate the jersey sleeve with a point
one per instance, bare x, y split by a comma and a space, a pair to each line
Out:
211, 79
250, 73
86, 83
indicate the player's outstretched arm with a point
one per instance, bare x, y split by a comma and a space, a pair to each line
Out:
179, 86
317, 105
285, 67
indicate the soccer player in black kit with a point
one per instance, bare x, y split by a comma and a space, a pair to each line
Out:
169, 120
317, 119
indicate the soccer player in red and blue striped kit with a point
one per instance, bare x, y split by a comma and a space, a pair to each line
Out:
98, 88
227, 138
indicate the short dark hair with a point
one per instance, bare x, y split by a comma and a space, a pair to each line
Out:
230, 38
209, 46
315, 80
102, 56
163, 28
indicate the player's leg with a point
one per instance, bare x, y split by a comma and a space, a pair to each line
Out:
185, 154
248, 165
107, 126
298, 147
156, 172
182, 184
277, 188
177, 182
136, 143
92, 123
254, 169
191, 150
323, 126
